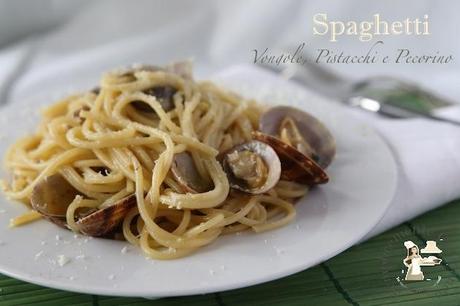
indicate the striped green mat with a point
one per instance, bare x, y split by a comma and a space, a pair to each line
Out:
365, 274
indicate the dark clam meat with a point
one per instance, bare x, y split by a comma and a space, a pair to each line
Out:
163, 94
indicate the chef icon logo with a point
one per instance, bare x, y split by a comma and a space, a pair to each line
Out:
420, 268
414, 261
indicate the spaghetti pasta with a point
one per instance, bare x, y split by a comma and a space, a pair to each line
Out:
122, 139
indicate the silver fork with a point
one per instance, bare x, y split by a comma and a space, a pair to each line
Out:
386, 96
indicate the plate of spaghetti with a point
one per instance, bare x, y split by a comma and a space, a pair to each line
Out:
155, 184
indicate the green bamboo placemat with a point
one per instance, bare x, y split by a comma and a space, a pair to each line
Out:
366, 274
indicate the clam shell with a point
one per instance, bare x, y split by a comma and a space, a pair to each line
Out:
164, 94
52, 195
59, 221
104, 221
313, 131
295, 165
184, 171
269, 157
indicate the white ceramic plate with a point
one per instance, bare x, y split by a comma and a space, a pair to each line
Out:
330, 219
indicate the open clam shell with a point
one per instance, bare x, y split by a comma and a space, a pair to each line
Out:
104, 221
262, 157
186, 174
314, 132
295, 165
52, 196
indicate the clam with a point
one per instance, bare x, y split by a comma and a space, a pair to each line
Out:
300, 130
52, 196
305, 146
104, 221
252, 167
186, 174
96, 90
164, 93
296, 165
77, 114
